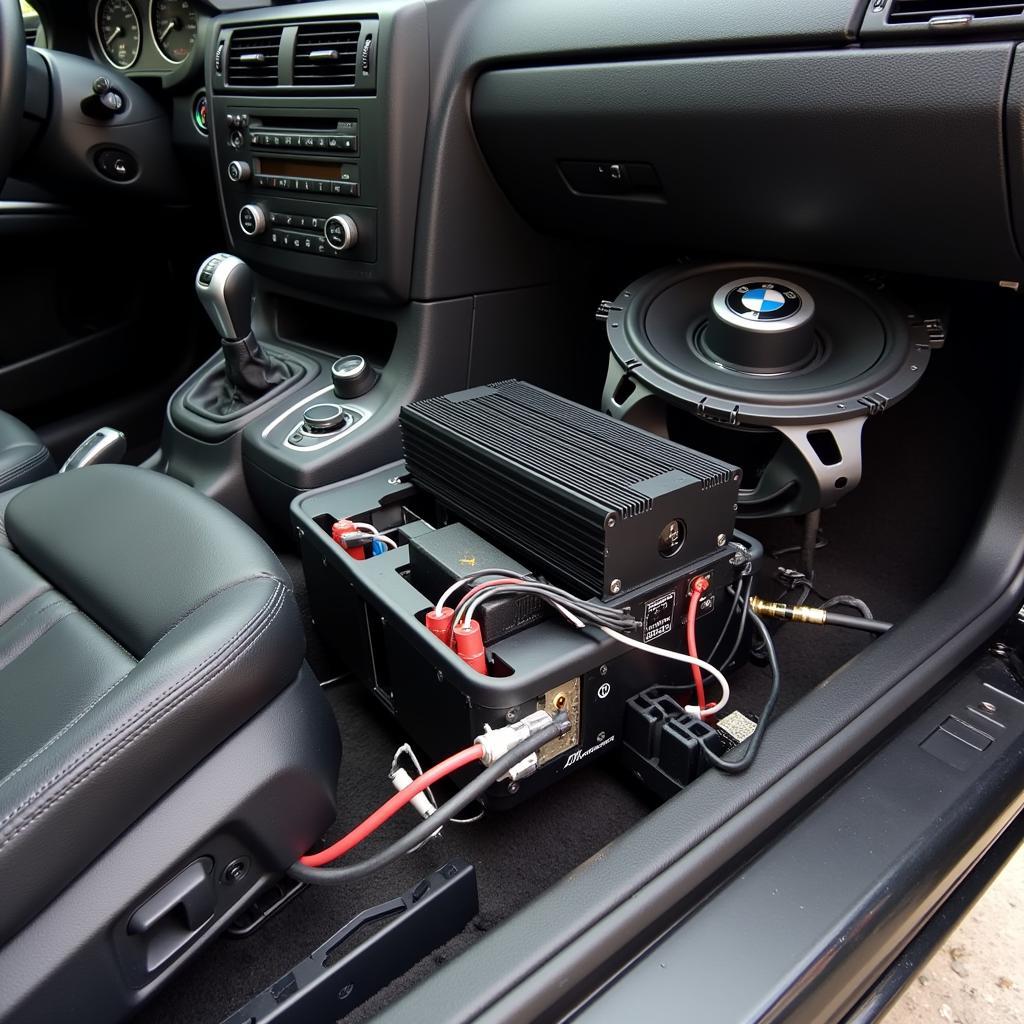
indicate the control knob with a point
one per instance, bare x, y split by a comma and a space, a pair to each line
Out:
325, 418
252, 219
353, 376
341, 232
239, 170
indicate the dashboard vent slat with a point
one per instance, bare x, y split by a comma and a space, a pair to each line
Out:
253, 56
921, 12
326, 53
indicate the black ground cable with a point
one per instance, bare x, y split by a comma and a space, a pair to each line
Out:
856, 622
736, 598
448, 810
741, 764
810, 542
846, 601
741, 630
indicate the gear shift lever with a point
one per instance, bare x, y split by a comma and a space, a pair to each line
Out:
224, 287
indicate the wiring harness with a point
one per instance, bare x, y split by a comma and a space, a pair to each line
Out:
311, 868
458, 627
511, 751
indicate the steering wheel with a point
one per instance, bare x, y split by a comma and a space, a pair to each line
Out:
12, 82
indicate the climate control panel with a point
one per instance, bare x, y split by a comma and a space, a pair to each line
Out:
309, 233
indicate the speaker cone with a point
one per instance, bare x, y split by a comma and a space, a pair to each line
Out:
809, 355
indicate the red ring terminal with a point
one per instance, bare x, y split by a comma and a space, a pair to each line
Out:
441, 624
469, 646
338, 531
700, 584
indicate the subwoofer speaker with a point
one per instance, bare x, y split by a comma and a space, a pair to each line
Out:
773, 349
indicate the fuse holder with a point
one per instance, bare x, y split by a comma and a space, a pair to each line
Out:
469, 646
338, 532
440, 624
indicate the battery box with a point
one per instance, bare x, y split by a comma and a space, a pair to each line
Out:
371, 613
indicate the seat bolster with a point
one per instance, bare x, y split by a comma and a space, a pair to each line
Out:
5, 500
23, 457
200, 682
137, 551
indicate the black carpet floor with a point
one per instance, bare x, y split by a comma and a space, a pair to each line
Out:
891, 542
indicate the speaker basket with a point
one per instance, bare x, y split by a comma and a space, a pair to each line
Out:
861, 352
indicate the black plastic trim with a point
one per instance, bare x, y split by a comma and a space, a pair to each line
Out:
919, 950
844, 144
833, 900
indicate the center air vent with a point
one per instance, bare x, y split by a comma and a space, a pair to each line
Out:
253, 56
940, 12
326, 53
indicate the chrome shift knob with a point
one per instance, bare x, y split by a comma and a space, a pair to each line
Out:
224, 287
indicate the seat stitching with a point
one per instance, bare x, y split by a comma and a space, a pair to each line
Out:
216, 593
40, 455
74, 721
55, 599
127, 741
39, 611
53, 739
142, 711
24, 465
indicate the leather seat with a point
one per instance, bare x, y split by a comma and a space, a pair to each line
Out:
23, 457
141, 626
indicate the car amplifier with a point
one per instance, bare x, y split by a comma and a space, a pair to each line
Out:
596, 505
371, 612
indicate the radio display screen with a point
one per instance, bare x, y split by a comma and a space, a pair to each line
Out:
323, 170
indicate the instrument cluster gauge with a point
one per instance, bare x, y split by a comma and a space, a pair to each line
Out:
118, 33
174, 28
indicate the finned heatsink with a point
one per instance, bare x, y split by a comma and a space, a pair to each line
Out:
596, 504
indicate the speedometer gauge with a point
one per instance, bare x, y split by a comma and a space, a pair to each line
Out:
174, 28
117, 29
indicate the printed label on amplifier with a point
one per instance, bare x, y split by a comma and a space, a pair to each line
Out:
658, 613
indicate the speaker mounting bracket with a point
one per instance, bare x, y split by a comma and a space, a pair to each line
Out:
859, 351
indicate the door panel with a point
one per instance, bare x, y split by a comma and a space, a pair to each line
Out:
98, 313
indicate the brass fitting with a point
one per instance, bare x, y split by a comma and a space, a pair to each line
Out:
794, 613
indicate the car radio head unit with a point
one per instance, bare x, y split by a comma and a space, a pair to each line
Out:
316, 124
298, 168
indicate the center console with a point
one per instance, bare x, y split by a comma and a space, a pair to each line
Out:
317, 126
318, 119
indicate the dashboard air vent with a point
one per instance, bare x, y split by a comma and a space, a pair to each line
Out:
253, 56
950, 12
326, 53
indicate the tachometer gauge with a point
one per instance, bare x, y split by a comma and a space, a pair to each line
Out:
174, 28
117, 29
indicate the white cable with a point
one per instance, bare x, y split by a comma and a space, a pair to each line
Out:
470, 610
467, 616
686, 660
377, 535
406, 749
423, 803
474, 578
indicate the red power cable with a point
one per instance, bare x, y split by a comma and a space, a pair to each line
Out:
483, 586
700, 584
395, 804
